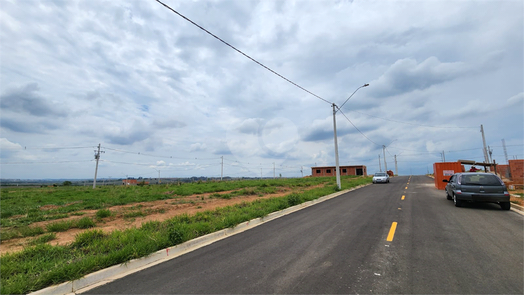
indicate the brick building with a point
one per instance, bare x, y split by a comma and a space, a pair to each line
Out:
503, 170
344, 170
134, 182
516, 168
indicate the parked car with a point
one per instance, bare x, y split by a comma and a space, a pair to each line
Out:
477, 187
381, 177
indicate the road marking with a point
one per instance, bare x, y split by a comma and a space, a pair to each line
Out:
403, 197
406, 187
392, 232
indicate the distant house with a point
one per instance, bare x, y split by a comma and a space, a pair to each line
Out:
129, 182
133, 182
344, 170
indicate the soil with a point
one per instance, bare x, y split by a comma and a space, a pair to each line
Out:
156, 211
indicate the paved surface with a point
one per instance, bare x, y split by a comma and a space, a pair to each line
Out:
341, 246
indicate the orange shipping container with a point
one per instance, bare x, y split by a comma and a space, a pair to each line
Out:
444, 171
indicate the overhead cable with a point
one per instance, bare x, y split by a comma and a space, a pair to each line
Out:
357, 127
239, 51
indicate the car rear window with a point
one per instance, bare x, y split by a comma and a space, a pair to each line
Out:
480, 179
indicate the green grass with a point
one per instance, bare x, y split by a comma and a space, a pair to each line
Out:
20, 232
59, 226
103, 213
21, 206
43, 239
42, 265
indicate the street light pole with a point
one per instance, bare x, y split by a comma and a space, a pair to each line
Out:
337, 169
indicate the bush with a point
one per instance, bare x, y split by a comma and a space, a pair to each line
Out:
293, 200
176, 236
102, 213
85, 222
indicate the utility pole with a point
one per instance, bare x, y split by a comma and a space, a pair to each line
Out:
490, 151
302, 171
443, 156
337, 171
97, 157
222, 169
379, 165
486, 159
396, 168
384, 152
505, 151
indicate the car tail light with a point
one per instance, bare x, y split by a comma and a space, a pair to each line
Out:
458, 192
506, 194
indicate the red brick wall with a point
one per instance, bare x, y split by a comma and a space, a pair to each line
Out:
517, 170
503, 170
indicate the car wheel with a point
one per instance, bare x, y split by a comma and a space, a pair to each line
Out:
458, 203
448, 196
505, 205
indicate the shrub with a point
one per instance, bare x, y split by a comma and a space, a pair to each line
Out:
293, 200
102, 213
85, 222
176, 236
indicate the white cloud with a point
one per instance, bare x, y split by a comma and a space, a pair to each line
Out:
152, 87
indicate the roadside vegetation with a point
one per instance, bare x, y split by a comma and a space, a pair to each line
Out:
40, 265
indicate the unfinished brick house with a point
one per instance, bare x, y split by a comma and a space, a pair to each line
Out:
344, 170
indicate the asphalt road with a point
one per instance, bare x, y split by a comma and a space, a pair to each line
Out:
341, 246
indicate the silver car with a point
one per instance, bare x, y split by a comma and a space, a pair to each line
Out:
381, 177
477, 187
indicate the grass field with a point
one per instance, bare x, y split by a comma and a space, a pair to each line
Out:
40, 264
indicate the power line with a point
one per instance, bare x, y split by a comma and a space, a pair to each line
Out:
357, 127
157, 156
46, 162
47, 148
239, 51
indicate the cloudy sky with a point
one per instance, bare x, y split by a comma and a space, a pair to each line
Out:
160, 94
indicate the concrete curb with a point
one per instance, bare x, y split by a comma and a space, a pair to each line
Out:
112, 273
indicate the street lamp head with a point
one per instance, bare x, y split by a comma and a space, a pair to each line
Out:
365, 85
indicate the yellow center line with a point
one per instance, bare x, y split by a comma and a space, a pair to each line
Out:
392, 232
403, 197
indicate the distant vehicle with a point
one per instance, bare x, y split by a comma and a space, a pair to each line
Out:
477, 187
381, 177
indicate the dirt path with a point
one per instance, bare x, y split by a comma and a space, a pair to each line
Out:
161, 210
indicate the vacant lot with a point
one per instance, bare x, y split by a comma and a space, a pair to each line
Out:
52, 235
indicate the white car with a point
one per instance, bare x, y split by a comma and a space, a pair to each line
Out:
381, 177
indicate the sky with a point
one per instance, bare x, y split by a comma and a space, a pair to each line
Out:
163, 97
